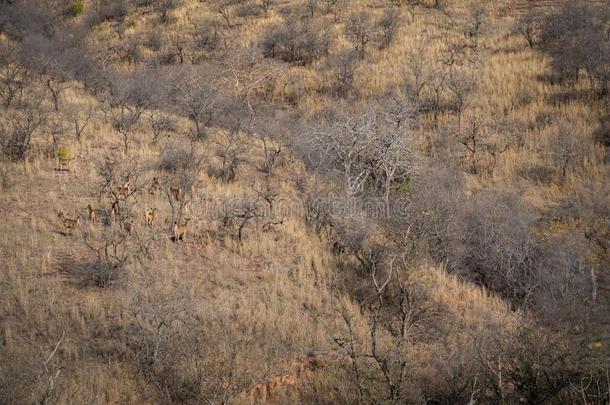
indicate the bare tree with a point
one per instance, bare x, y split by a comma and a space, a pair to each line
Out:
461, 85
271, 153
238, 213
20, 127
359, 31
165, 7
528, 27
472, 142
330, 6
196, 96
222, 7
474, 27
161, 125
364, 147
565, 150
265, 5
311, 6
380, 369
179, 44
56, 88
388, 25
130, 97
12, 77
345, 65
230, 150
300, 41
419, 73
394, 154
182, 163
113, 250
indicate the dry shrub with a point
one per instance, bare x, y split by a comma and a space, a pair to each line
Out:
299, 41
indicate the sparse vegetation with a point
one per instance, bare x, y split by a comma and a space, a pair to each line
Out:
320, 201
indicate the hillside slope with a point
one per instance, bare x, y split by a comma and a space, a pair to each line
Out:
312, 202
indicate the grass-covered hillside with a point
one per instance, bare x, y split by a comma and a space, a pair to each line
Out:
304, 201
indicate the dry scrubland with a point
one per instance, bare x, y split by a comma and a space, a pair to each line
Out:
490, 284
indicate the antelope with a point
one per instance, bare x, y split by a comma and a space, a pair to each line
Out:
176, 192
92, 214
150, 216
125, 190
68, 223
180, 230
64, 164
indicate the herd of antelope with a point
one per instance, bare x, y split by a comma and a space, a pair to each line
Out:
179, 228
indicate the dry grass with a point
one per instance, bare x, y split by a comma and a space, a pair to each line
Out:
276, 290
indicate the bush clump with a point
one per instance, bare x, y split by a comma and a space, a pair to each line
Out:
75, 9
63, 153
299, 42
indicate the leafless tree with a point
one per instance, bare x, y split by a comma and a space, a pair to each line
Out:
230, 150
345, 65
299, 41
130, 97
472, 141
161, 125
196, 96
271, 152
330, 6
438, 87
359, 31
393, 313
56, 88
120, 182
363, 147
113, 249
388, 25
222, 7
179, 44
80, 120
395, 162
474, 26
576, 37
311, 6
528, 27
165, 7
565, 150
265, 5
494, 245
419, 73
12, 77
461, 85
20, 127
182, 163
238, 213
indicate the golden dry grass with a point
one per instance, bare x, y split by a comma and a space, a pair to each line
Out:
276, 287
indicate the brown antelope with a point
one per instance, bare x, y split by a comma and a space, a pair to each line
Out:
180, 230
92, 214
150, 216
63, 164
125, 190
68, 223
176, 192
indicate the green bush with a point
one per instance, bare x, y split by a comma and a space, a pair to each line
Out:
76, 8
62, 153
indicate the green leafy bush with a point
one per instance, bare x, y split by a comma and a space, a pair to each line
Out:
76, 8
62, 153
